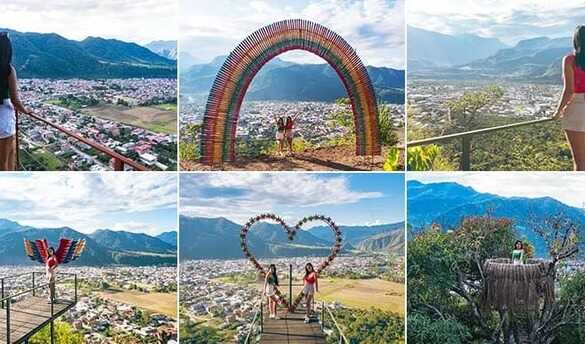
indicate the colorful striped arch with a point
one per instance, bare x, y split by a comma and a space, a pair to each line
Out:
236, 74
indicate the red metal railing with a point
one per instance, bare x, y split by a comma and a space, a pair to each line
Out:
119, 160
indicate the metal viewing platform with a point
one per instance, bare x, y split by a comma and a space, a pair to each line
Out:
292, 329
119, 161
26, 312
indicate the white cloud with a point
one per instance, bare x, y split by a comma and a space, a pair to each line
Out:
237, 195
374, 28
138, 21
509, 21
566, 187
83, 200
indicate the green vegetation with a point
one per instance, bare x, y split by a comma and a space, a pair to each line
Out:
167, 107
74, 102
446, 281
240, 278
533, 147
64, 334
371, 326
197, 332
39, 159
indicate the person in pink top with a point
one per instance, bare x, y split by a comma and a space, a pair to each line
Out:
51, 269
571, 107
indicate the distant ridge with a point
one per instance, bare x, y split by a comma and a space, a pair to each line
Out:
283, 80
448, 203
219, 238
536, 59
40, 55
103, 248
166, 49
427, 49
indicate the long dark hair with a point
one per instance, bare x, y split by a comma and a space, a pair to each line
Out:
579, 46
519, 242
307, 272
274, 274
289, 120
5, 60
51, 251
280, 123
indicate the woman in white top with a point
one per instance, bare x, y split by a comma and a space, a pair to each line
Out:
269, 290
9, 101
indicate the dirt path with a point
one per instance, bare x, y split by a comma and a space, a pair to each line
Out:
341, 158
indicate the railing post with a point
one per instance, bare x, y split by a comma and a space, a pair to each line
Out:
75, 288
33, 284
290, 285
323, 316
261, 317
3, 293
118, 164
52, 330
17, 143
465, 163
8, 321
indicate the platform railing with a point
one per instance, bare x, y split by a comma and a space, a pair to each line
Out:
257, 323
119, 161
6, 301
327, 313
466, 139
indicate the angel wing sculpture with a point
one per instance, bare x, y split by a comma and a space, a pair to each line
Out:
68, 250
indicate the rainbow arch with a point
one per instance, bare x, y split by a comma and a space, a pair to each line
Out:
232, 81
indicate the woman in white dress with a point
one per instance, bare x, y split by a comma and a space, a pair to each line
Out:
269, 290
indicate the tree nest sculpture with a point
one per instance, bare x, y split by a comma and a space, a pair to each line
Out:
517, 288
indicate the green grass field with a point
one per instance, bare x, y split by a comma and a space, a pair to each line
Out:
167, 107
41, 159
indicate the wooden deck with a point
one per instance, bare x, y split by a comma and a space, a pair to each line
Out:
28, 316
291, 329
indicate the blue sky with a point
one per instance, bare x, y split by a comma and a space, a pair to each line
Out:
140, 21
349, 198
135, 202
374, 28
567, 187
510, 21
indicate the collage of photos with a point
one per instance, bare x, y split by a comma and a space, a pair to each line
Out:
295, 172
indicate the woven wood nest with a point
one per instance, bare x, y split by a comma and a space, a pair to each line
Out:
518, 288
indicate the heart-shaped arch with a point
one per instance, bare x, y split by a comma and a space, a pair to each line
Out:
291, 232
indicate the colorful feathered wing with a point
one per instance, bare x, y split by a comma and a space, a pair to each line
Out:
68, 250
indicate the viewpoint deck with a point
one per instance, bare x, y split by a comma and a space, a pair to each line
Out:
30, 315
291, 329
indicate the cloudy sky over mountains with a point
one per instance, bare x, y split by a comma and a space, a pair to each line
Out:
139, 21
142, 203
568, 188
350, 199
374, 28
510, 21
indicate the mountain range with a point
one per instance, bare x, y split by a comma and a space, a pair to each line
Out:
448, 203
428, 49
219, 238
284, 80
439, 56
166, 49
49, 55
103, 247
